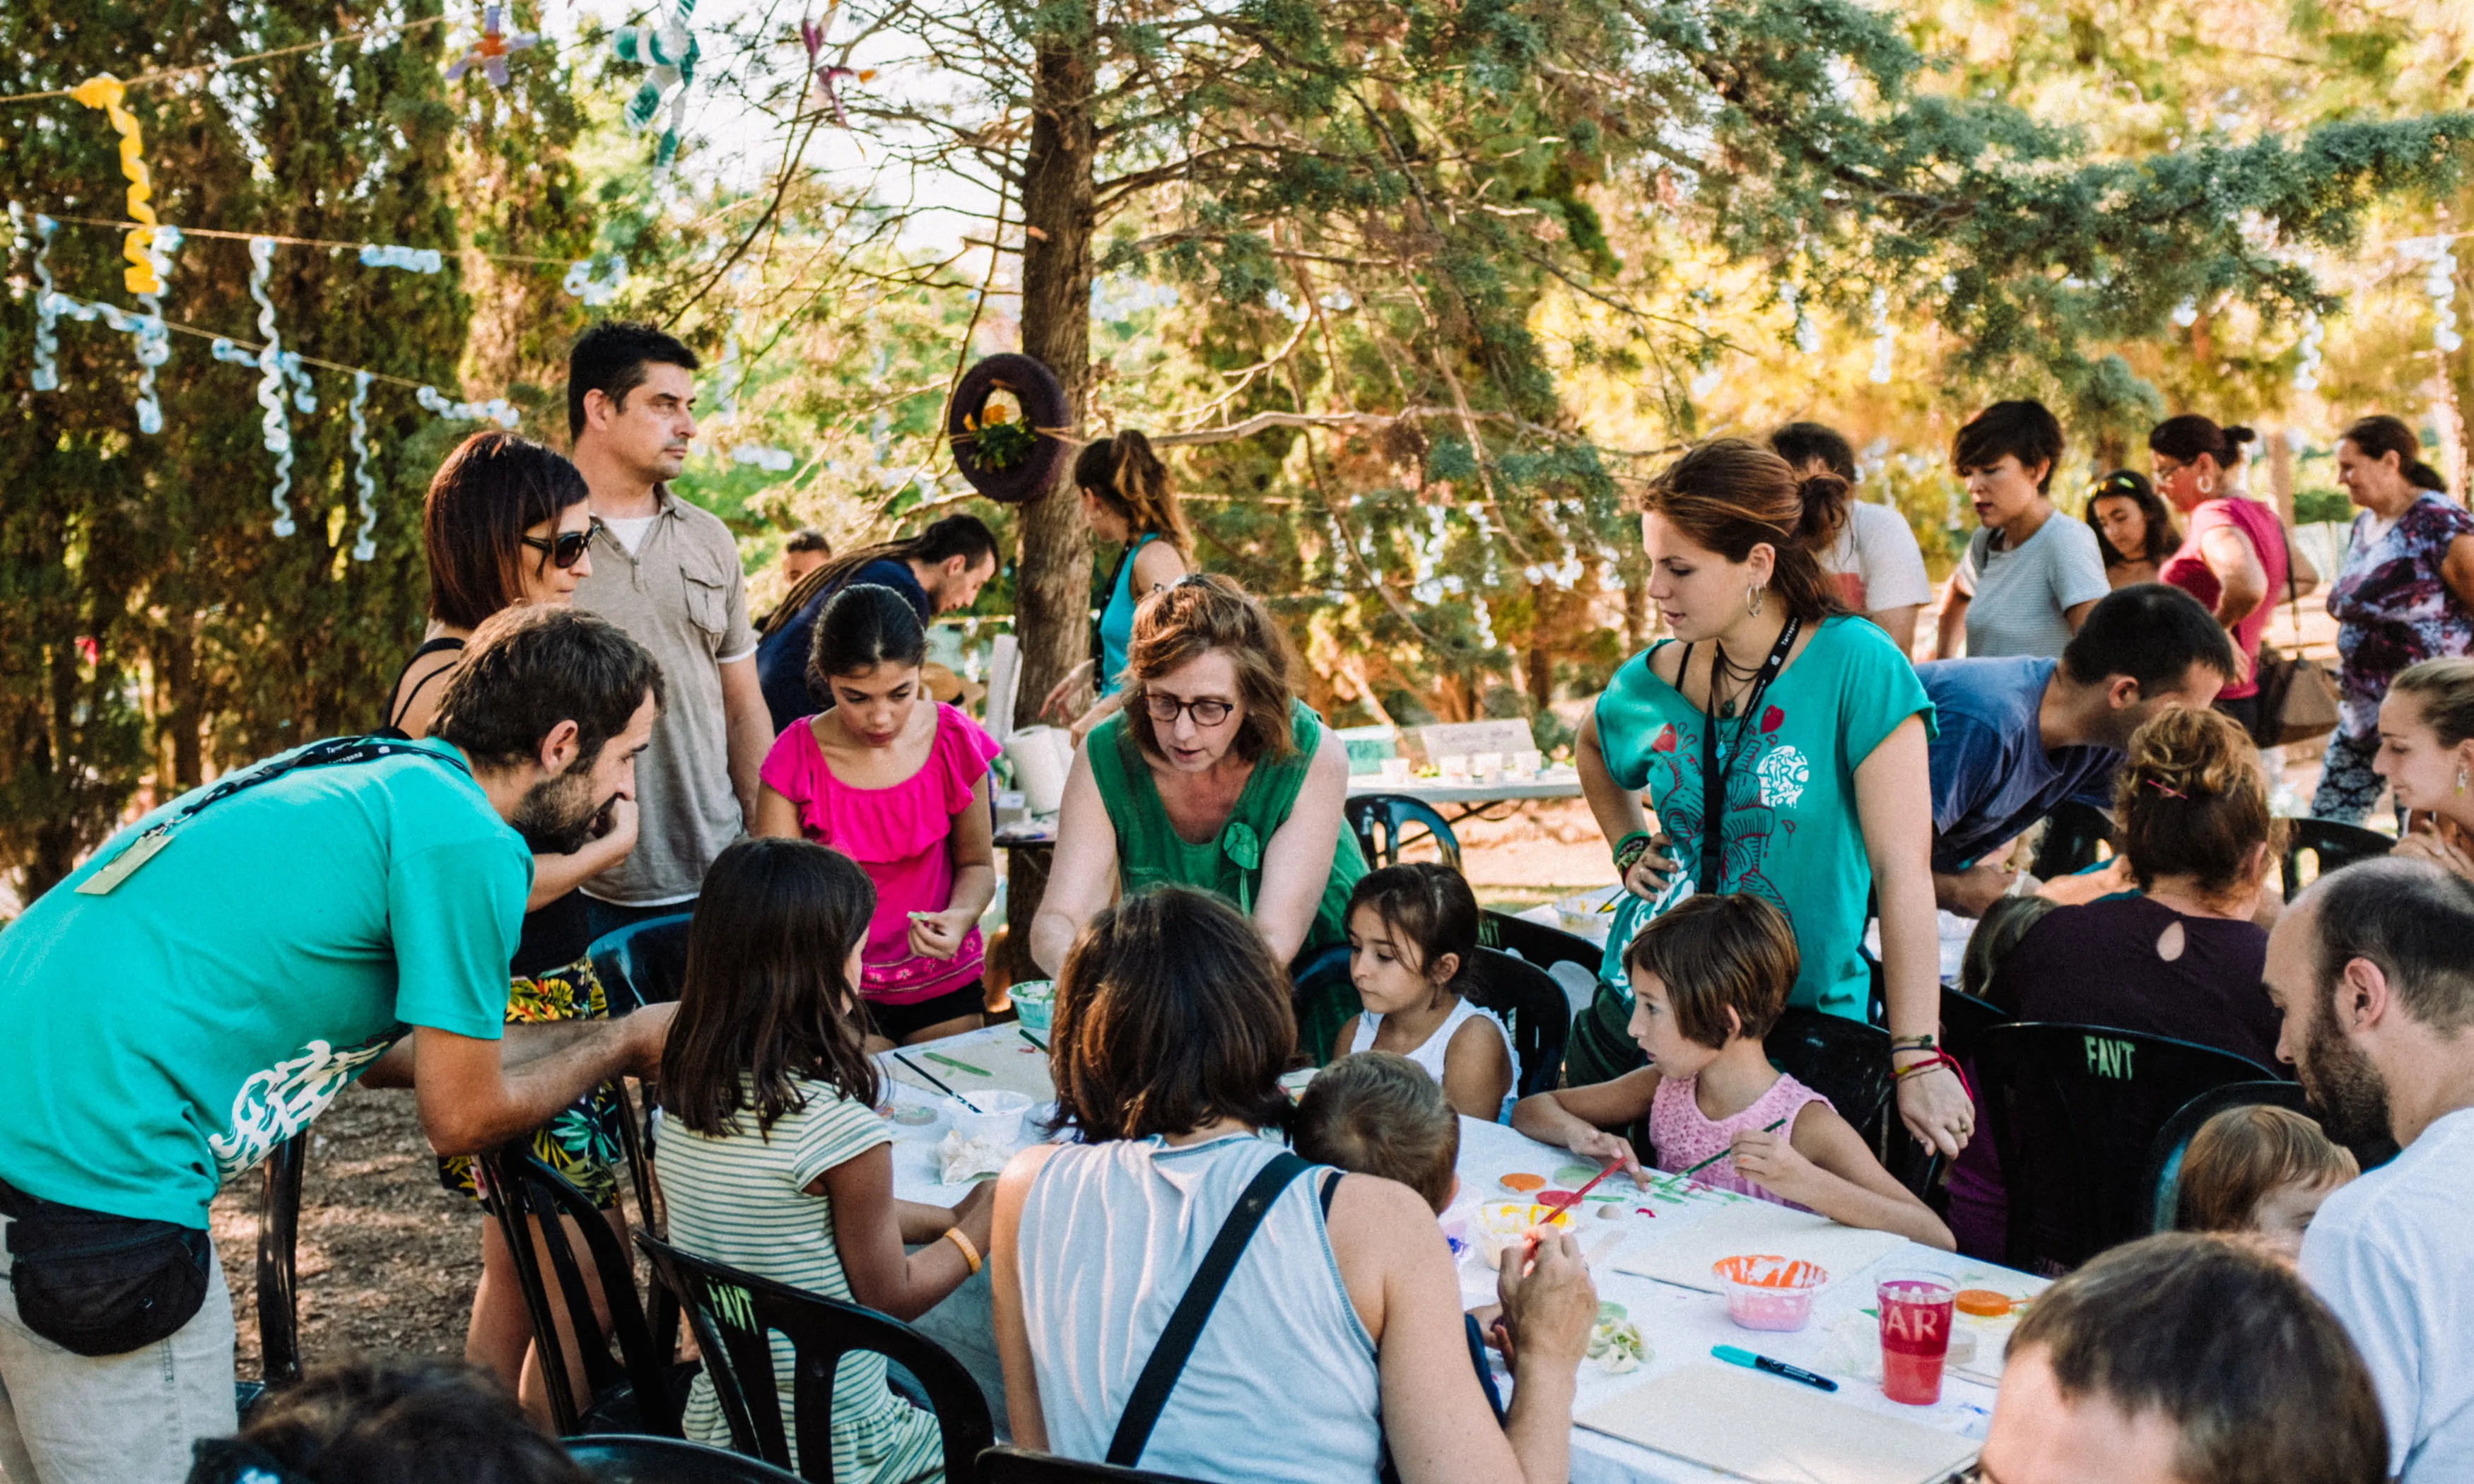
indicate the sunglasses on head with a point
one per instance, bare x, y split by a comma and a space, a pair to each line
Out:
567, 548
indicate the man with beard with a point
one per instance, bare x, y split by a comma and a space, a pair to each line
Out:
203, 987
2373, 970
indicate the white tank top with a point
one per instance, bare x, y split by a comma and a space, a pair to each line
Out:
1430, 1055
1280, 1387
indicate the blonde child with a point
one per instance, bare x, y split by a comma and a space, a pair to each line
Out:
1412, 934
1709, 979
2260, 1170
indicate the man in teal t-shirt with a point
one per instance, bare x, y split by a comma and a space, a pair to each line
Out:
206, 985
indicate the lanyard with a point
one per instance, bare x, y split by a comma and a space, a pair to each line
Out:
330, 752
1713, 770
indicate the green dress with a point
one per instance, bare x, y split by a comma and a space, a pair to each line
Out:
1229, 865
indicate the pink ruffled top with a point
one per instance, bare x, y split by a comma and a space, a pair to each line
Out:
1685, 1136
897, 835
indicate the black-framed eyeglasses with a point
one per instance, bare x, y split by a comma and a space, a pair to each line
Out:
567, 548
1209, 712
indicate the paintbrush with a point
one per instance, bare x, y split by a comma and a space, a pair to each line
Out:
925, 1073
1714, 1158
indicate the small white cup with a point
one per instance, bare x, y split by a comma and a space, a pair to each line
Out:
994, 1115
1528, 764
1454, 767
1395, 771
1486, 767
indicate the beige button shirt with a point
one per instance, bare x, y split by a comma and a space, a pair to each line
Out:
682, 597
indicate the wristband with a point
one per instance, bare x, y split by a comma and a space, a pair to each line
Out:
962, 1242
1629, 851
1922, 1041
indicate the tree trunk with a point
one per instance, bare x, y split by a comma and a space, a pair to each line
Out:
1052, 585
181, 722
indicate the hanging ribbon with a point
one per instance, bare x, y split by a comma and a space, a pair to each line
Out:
580, 283
812, 35
491, 50
47, 313
276, 428
669, 49
154, 339
105, 91
498, 409
364, 547
420, 260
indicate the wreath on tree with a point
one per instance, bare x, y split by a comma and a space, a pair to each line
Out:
1007, 426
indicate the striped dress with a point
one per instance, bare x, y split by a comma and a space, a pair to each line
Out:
741, 1200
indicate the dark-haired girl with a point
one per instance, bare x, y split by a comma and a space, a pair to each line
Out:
2235, 559
2028, 579
1129, 501
2133, 529
1412, 933
2405, 594
1781, 742
772, 1158
902, 788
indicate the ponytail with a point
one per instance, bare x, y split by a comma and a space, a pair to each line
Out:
1731, 494
1127, 475
2184, 438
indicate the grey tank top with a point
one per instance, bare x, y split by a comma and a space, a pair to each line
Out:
1281, 1385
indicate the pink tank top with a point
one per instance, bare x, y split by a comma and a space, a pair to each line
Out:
1684, 1136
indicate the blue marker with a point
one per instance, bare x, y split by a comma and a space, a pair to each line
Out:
1746, 1358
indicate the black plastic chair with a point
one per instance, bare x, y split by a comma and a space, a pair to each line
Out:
279, 1256
1536, 942
2172, 1142
1324, 999
2073, 1111
2075, 834
1848, 1063
632, 1391
621, 1458
2332, 846
1382, 822
736, 1314
1531, 1006
1022, 1466
642, 963
1964, 1019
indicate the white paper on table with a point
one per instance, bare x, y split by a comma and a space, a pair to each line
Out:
1755, 1226
1773, 1431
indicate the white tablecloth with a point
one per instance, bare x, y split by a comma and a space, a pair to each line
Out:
1679, 1325
1557, 782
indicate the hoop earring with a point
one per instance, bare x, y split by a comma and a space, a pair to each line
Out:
1753, 597
2460, 780
2207, 483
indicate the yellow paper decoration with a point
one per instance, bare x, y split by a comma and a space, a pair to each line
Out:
105, 91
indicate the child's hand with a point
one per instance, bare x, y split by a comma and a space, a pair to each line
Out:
1769, 1160
1603, 1147
937, 934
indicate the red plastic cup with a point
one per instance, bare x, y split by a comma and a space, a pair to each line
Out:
1915, 1335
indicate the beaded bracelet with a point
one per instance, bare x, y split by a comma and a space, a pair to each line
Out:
1629, 851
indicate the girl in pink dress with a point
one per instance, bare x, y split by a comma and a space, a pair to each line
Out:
1709, 978
903, 789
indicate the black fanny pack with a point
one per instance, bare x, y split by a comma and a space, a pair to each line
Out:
97, 1285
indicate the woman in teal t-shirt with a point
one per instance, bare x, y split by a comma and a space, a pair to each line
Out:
1127, 499
1818, 734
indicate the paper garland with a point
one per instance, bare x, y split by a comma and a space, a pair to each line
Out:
2306, 367
813, 36
105, 91
154, 339
47, 314
498, 409
275, 427
420, 260
363, 547
669, 49
580, 283
491, 50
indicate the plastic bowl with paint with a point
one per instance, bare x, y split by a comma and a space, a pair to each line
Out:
1768, 1292
993, 1117
1501, 1223
1032, 1000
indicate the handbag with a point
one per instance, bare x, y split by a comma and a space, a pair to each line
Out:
2297, 696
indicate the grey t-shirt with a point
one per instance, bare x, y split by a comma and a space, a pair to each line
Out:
2018, 597
681, 596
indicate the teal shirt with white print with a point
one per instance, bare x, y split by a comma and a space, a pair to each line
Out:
164, 1038
1790, 834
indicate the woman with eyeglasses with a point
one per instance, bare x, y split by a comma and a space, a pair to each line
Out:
2133, 529
1214, 776
2235, 559
506, 522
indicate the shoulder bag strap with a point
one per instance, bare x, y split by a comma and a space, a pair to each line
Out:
1194, 1311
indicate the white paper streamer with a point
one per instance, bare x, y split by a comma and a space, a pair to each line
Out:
2306, 370
153, 340
364, 547
498, 409
276, 428
1885, 341
669, 50
420, 260
596, 292
47, 314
